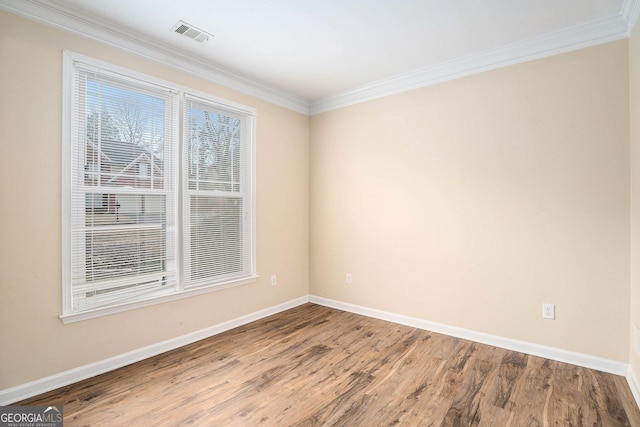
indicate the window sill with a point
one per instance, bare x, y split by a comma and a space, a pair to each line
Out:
99, 312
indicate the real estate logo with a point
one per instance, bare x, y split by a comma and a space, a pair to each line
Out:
31, 416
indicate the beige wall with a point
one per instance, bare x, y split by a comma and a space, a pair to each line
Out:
634, 84
35, 343
472, 202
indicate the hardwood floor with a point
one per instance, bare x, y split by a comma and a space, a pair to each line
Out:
315, 366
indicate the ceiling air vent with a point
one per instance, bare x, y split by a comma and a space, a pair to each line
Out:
190, 31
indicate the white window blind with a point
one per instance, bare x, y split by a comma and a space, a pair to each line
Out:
218, 193
122, 196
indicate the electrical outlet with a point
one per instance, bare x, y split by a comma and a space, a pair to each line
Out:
548, 311
274, 281
636, 339
349, 278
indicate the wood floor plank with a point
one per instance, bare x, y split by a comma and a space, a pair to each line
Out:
316, 366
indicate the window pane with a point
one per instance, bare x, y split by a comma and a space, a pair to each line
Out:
123, 202
125, 134
217, 150
124, 236
214, 151
216, 237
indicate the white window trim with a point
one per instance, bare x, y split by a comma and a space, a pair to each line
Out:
67, 315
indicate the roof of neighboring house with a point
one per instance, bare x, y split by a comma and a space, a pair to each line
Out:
123, 152
126, 170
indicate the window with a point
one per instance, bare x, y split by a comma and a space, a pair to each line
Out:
123, 185
217, 192
143, 170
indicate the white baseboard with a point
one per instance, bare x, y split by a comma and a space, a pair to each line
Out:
634, 385
62, 379
71, 376
579, 359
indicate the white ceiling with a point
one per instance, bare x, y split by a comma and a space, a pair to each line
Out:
318, 52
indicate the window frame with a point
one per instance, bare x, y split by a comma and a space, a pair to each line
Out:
180, 178
246, 181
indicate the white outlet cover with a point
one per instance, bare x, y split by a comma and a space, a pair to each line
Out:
636, 339
548, 311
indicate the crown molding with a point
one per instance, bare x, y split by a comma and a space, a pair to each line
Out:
630, 11
569, 39
566, 40
92, 27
